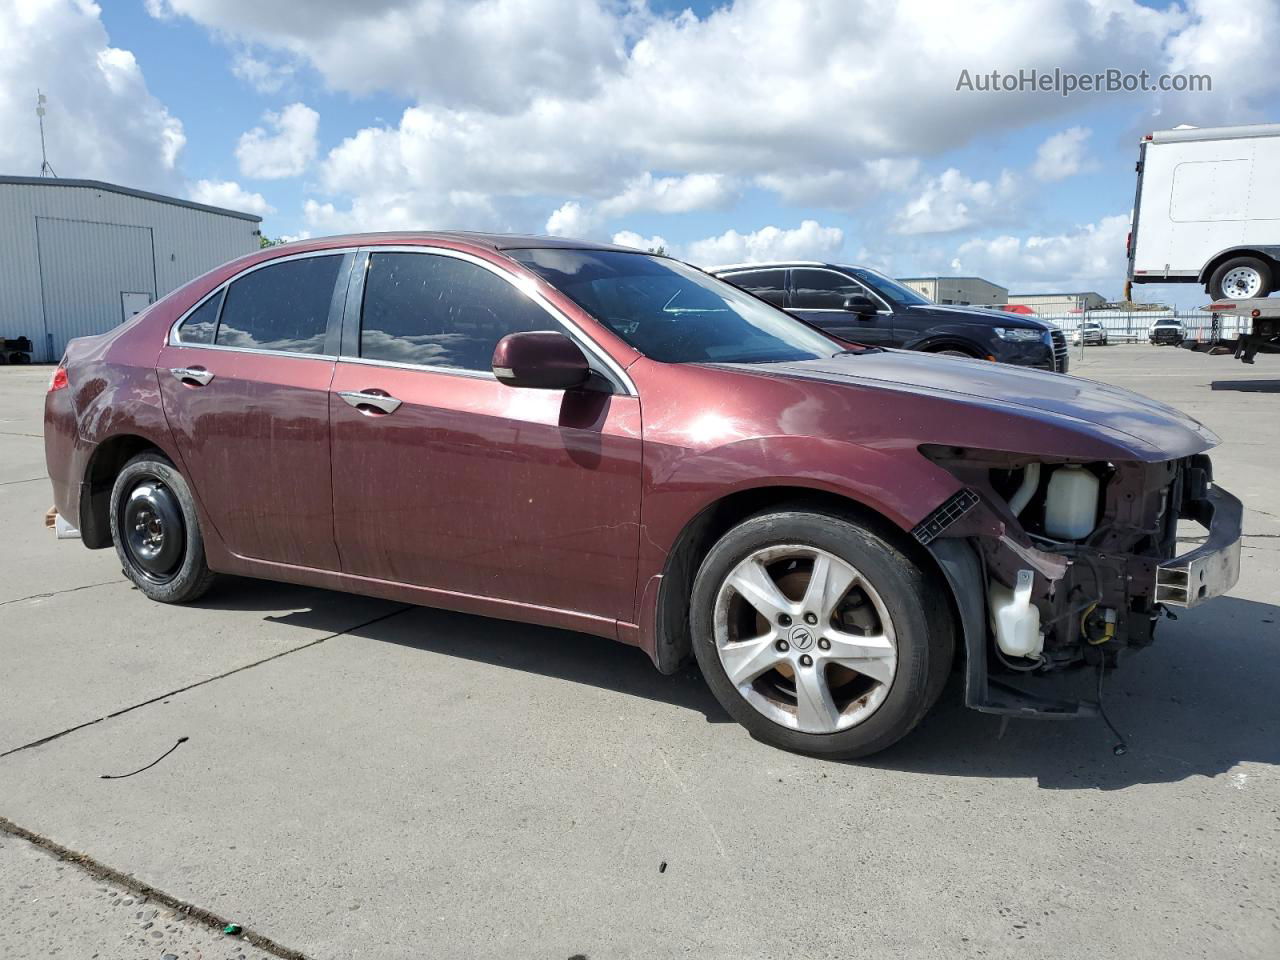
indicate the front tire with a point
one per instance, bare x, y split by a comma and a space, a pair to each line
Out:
156, 530
818, 635
1241, 278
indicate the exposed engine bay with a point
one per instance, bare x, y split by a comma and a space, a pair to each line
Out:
1079, 559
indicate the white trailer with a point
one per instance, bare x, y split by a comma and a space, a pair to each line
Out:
1207, 210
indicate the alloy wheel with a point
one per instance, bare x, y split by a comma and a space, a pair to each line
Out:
805, 638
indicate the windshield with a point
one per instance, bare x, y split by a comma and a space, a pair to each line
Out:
671, 312
886, 287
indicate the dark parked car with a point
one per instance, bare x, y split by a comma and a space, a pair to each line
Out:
1167, 330
617, 443
862, 306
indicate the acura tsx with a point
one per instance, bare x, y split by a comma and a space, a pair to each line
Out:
614, 442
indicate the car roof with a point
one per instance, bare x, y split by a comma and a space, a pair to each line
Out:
494, 241
771, 264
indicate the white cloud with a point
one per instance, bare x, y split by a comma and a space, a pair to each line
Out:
952, 201
1234, 42
102, 122
628, 238
286, 153
1062, 155
521, 106
493, 54
1089, 257
229, 194
696, 191
570, 219
843, 189
263, 75
586, 96
809, 241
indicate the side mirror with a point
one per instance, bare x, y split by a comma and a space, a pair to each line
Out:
859, 303
543, 359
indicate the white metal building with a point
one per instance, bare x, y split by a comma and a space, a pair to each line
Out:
1059, 302
965, 291
78, 257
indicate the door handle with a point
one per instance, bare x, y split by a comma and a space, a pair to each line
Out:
363, 398
196, 374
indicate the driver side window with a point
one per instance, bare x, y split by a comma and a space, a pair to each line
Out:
822, 290
438, 311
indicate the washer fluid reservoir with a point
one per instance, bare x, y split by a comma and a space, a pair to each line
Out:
1071, 503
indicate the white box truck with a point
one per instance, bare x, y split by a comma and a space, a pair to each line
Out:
1207, 210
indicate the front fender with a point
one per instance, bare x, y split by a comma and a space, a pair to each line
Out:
897, 483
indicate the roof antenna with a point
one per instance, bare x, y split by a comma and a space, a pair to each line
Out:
46, 168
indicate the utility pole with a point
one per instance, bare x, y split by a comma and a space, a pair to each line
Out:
46, 168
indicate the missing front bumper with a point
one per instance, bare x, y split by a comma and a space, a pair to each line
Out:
1212, 568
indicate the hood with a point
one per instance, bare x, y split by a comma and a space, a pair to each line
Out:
1149, 429
984, 315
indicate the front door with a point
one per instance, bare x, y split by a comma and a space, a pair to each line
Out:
245, 387
818, 296
446, 478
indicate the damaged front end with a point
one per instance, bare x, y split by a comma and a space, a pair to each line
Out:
1061, 563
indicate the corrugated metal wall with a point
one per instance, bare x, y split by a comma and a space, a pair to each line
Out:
68, 253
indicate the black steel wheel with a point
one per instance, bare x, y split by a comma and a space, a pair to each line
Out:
157, 532
154, 535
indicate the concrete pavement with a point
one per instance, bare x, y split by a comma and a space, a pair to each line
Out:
366, 780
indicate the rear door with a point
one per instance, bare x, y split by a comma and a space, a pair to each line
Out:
818, 296
446, 478
245, 385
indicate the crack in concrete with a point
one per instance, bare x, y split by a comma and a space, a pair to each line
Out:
55, 593
5, 483
100, 871
201, 683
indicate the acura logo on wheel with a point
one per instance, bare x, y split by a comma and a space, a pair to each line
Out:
800, 637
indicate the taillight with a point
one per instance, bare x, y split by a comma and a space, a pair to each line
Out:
59, 379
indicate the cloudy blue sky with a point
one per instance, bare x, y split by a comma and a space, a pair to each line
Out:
725, 131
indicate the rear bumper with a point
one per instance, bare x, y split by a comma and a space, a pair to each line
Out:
1212, 568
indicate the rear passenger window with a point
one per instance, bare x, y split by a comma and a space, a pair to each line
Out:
284, 306
437, 311
201, 323
769, 285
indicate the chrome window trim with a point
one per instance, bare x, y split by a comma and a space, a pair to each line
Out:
887, 311
174, 338
616, 374
398, 365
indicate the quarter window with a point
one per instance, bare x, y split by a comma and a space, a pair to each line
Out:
821, 290
200, 325
438, 311
284, 306
769, 285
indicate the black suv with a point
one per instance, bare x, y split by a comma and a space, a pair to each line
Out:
863, 306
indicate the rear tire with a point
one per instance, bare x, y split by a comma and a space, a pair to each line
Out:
859, 696
156, 530
955, 353
1241, 278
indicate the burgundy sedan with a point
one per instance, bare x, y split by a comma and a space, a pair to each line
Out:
594, 438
